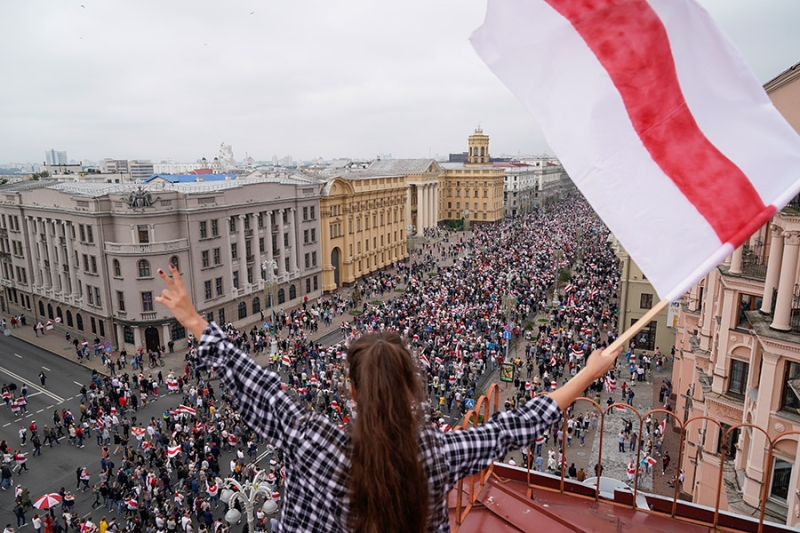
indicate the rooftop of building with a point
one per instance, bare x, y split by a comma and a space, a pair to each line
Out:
403, 166
466, 166
190, 178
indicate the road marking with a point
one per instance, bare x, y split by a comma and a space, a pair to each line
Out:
49, 407
29, 415
45, 368
18, 355
34, 394
57, 398
78, 384
7, 424
40, 410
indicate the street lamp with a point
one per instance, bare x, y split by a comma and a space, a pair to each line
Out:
556, 260
466, 220
270, 266
247, 493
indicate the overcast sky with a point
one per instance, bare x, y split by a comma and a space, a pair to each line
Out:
173, 79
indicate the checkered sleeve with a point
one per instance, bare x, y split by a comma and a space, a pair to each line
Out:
470, 451
256, 391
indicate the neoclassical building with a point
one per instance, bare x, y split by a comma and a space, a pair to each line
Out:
738, 362
87, 255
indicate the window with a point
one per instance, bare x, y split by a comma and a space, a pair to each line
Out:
292, 292
312, 212
127, 333
646, 338
93, 322
203, 230
90, 294
144, 268
305, 213
222, 316
248, 249
737, 381
82, 230
286, 215
235, 279
121, 301
285, 239
261, 245
316, 284
242, 310
217, 256
210, 316
305, 236
178, 331
174, 262
286, 264
308, 285
204, 256
215, 228
93, 260
97, 296
117, 268
313, 259
86, 262
207, 289
232, 224
747, 302
147, 301
313, 235
256, 305
89, 234
281, 296
219, 286
308, 260
781, 476
249, 274
247, 222
791, 387
69, 318
102, 325
234, 251
646, 301
144, 234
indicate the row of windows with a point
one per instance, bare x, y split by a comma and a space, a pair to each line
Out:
256, 303
142, 266
466, 193
466, 205
22, 275
309, 213
456, 215
98, 327
13, 223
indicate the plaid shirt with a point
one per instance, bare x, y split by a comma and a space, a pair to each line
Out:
317, 453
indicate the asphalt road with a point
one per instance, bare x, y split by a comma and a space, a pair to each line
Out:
21, 362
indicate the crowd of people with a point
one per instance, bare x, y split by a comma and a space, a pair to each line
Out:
535, 294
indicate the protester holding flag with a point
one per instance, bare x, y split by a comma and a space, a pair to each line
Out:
387, 425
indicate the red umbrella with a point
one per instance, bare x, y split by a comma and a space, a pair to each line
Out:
47, 501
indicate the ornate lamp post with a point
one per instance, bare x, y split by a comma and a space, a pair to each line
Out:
247, 493
270, 266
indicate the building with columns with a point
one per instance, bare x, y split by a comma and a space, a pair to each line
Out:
473, 190
422, 180
738, 363
364, 221
87, 255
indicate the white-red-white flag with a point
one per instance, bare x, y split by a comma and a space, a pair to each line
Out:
657, 120
187, 410
424, 360
173, 451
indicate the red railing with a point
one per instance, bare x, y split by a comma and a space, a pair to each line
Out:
482, 412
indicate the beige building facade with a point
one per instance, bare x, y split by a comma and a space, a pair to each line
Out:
738, 363
87, 255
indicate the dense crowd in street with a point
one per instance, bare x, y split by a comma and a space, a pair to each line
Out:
536, 292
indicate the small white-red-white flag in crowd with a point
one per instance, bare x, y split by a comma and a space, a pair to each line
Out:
138, 431
663, 426
611, 384
646, 103
650, 460
620, 408
173, 451
286, 360
187, 410
424, 360
540, 439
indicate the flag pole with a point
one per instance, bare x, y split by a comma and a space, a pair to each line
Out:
629, 333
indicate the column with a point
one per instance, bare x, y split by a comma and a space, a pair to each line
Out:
120, 336
52, 255
773, 268
293, 240
229, 257
73, 267
783, 307
419, 209
242, 252
736, 261
137, 337
281, 247
257, 252
268, 237
47, 280
408, 208
435, 204
755, 466
37, 270
164, 334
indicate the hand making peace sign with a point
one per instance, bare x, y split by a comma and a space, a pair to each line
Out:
178, 302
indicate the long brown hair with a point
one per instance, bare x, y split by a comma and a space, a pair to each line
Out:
389, 488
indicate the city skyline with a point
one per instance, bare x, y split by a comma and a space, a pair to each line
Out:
307, 79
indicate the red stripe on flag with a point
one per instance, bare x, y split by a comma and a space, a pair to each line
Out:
632, 45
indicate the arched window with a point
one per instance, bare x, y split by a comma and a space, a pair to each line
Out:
41, 307
127, 333
242, 310
144, 268
79, 320
174, 261
281, 296
117, 269
256, 305
58, 314
69, 318
178, 331
50, 312
292, 292
482, 154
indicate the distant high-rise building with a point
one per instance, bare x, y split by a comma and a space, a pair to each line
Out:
55, 157
140, 169
115, 166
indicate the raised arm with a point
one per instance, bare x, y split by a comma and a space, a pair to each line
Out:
257, 391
